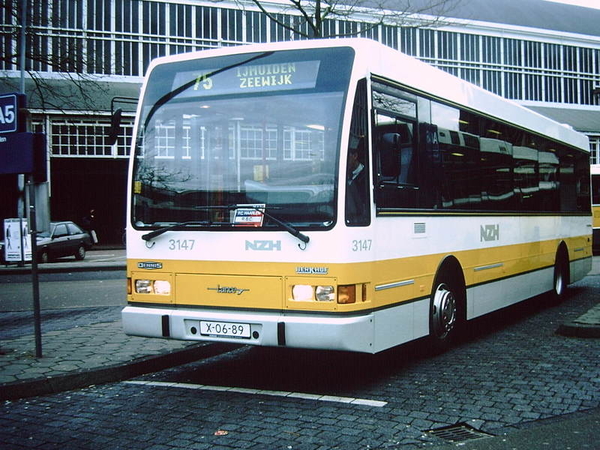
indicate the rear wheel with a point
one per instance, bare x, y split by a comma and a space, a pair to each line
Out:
80, 254
561, 276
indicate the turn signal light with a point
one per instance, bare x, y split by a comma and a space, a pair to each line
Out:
347, 294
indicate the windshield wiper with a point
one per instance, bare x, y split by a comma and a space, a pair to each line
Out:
153, 234
286, 226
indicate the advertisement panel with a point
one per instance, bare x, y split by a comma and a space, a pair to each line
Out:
17, 240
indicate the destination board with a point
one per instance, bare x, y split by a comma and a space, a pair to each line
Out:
248, 78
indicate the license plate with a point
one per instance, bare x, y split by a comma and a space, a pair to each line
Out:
240, 330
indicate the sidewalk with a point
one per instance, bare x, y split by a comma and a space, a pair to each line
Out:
83, 352
587, 325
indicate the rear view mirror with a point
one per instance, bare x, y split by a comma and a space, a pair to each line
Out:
115, 126
115, 118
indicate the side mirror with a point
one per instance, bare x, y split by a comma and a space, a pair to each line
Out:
115, 126
388, 155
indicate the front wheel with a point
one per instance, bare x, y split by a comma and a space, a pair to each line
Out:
44, 257
444, 318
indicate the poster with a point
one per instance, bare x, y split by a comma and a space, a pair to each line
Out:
16, 236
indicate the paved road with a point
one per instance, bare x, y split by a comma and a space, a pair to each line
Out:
511, 373
64, 294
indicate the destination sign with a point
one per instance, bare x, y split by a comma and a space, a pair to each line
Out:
249, 78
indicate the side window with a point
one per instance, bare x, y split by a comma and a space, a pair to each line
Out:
596, 189
526, 177
446, 157
60, 231
573, 180
395, 147
497, 190
357, 170
548, 165
395, 142
459, 158
74, 229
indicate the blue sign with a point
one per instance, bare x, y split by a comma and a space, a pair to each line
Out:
16, 153
8, 113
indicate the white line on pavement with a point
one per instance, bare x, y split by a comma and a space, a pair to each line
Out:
315, 397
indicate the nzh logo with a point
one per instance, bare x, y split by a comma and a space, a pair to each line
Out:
264, 246
489, 233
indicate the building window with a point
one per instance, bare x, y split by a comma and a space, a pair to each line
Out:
84, 137
595, 149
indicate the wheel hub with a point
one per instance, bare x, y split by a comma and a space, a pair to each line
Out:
444, 311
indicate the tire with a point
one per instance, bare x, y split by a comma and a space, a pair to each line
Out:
445, 312
80, 254
44, 257
561, 276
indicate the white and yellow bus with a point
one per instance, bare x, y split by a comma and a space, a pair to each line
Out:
337, 194
595, 169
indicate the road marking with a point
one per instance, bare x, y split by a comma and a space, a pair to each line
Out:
315, 397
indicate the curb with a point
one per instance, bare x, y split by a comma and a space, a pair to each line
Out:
575, 329
585, 326
117, 372
59, 268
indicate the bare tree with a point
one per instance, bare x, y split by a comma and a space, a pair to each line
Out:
309, 18
63, 56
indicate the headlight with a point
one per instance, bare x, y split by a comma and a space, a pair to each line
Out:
325, 293
162, 287
308, 293
158, 287
143, 286
303, 293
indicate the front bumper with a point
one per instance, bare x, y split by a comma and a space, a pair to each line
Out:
350, 333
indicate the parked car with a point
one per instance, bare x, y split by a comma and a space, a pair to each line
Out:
64, 239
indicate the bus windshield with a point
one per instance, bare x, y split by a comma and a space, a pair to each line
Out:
221, 139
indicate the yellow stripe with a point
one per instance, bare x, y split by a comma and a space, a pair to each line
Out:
258, 285
596, 220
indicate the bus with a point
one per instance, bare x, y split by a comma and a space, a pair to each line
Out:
340, 195
595, 170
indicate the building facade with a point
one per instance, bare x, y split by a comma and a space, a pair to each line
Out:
84, 53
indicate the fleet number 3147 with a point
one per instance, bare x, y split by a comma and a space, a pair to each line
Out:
361, 245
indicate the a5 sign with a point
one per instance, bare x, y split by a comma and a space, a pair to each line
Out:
9, 107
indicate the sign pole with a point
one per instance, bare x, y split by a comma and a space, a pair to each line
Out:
23, 43
37, 319
31, 191
22, 61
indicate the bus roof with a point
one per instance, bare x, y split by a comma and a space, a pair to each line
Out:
377, 59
